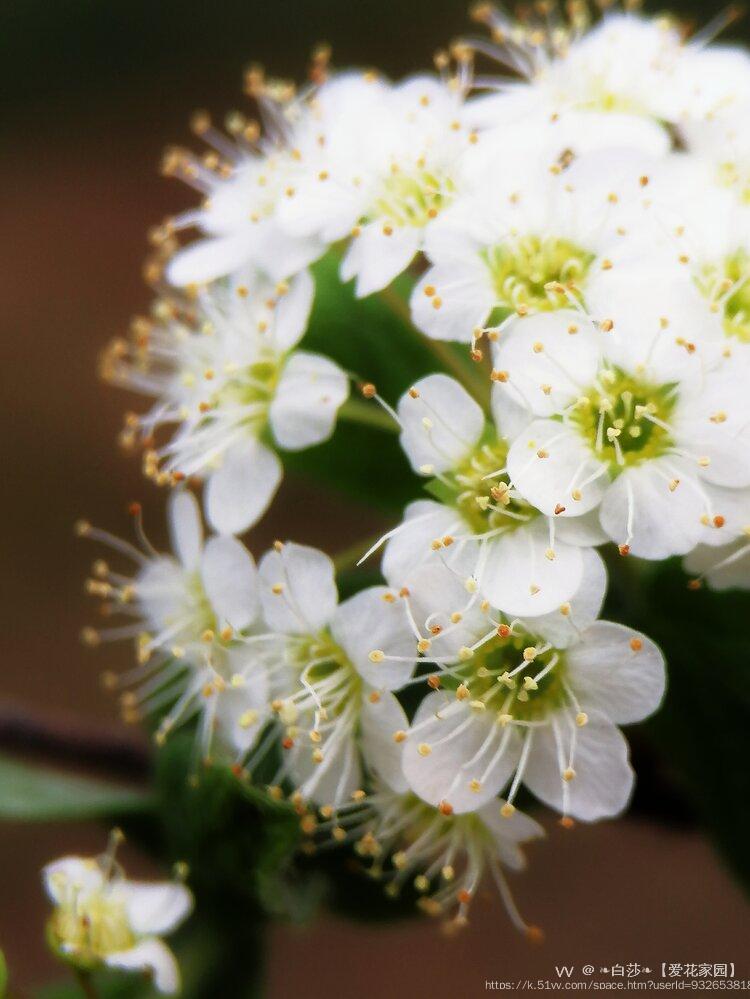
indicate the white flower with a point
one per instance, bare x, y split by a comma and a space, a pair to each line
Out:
443, 854
524, 561
329, 693
249, 174
101, 918
187, 613
533, 701
615, 427
537, 233
640, 73
228, 377
388, 169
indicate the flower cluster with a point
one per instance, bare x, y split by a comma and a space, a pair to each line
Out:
573, 218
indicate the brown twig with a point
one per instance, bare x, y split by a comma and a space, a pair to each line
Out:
73, 740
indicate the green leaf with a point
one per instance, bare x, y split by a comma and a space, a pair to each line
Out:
35, 794
3, 975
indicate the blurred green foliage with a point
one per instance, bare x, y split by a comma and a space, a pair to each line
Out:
36, 794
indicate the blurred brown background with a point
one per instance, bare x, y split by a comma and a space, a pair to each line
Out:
93, 91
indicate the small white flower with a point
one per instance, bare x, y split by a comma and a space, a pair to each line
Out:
629, 74
444, 855
101, 918
524, 561
249, 174
622, 432
227, 376
539, 232
188, 612
534, 701
329, 690
387, 171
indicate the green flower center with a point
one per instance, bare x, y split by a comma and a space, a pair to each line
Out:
727, 287
511, 674
330, 687
413, 198
88, 927
478, 493
251, 388
731, 175
536, 273
624, 419
197, 608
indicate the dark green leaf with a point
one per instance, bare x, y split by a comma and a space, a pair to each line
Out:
32, 794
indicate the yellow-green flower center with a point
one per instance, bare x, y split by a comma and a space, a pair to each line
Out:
536, 273
412, 197
512, 674
88, 926
250, 388
625, 420
730, 174
479, 493
726, 285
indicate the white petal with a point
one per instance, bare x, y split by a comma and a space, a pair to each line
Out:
376, 259
156, 908
550, 481
366, 622
604, 778
230, 580
724, 568
518, 577
509, 832
436, 592
70, 873
292, 311
726, 443
584, 531
728, 515
280, 255
334, 780
455, 423
547, 366
411, 546
208, 259
150, 955
460, 300
185, 528
664, 522
608, 674
445, 772
307, 398
308, 596
564, 629
379, 720
239, 492
242, 711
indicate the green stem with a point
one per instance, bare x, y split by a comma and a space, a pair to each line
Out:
87, 986
472, 376
368, 415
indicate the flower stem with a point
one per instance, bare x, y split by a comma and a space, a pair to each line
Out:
87, 986
368, 415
